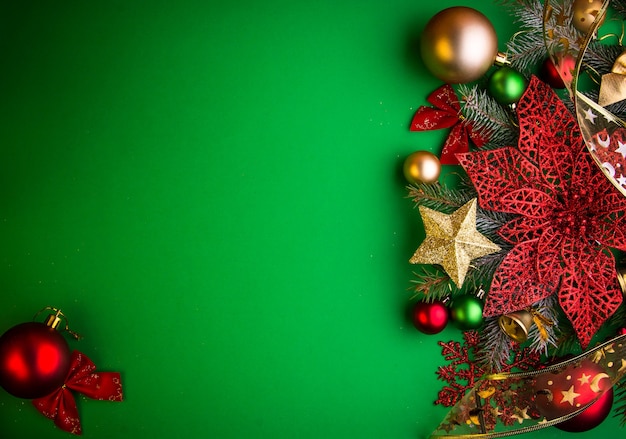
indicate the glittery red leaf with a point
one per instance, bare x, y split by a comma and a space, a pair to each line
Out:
549, 134
521, 229
495, 173
515, 284
588, 271
531, 203
549, 255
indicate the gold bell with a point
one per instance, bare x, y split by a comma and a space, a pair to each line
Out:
516, 325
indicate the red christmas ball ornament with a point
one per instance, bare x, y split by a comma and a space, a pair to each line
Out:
549, 74
562, 393
559, 74
34, 358
430, 317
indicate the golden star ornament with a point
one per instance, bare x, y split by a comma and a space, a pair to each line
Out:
452, 241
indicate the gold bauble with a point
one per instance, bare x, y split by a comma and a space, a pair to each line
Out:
584, 13
421, 167
459, 44
516, 325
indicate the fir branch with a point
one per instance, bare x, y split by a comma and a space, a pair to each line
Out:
619, 403
495, 346
528, 47
620, 7
601, 57
526, 50
488, 118
439, 197
432, 283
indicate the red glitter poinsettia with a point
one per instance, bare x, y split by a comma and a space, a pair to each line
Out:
569, 216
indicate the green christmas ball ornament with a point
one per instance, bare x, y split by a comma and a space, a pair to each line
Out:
507, 85
467, 312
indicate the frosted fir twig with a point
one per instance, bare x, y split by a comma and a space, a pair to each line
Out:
527, 48
495, 345
601, 57
620, 7
432, 283
619, 404
439, 197
488, 117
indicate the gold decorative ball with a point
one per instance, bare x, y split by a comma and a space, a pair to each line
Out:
459, 44
422, 167
584, 12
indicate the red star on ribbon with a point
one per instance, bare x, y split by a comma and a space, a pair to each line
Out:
446, 113
60, 405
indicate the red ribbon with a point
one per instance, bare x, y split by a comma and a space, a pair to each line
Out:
447, 114
60, 405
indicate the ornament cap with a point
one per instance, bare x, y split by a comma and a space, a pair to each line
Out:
501, 60
54, 320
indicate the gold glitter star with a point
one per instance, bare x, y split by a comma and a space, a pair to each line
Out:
569, 395
452, 241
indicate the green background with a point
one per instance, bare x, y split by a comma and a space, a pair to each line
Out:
211, 192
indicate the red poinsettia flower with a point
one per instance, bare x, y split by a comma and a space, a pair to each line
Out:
569, 215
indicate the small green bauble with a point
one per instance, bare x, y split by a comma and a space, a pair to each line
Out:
507, 85
467, 312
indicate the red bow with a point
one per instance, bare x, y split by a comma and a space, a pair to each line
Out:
446, 114
60, 405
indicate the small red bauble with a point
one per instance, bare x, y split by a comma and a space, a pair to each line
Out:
559, 74
430, 317
550, 74
34, 360
562, 393
591, 417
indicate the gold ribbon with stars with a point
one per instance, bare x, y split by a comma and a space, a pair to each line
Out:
467, 418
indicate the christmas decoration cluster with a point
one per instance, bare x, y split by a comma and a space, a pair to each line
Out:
524, 251
36, 364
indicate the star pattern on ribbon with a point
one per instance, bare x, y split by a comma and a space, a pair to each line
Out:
446, 113
568, 216
60, 405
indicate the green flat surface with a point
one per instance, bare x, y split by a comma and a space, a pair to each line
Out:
211, 193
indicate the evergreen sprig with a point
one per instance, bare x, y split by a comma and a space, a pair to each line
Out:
440, 197
487, 116
495, 345
619, 403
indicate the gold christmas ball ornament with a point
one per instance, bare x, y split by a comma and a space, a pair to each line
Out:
422, 167
459, 44
584, 13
